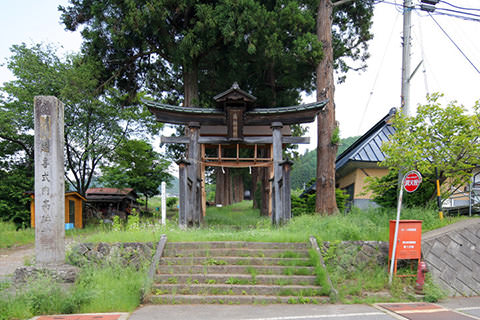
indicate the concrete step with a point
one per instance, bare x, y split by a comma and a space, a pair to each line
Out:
235, 252
237, 289
237, 244
235, 261
235, 269
231, 299
235, 278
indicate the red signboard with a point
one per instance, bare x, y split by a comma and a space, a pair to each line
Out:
409, 240
412, 181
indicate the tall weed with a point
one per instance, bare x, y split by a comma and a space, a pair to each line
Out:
9, 236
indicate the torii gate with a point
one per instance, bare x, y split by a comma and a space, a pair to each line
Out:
235, 121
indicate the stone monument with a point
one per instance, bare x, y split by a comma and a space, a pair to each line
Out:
49, 181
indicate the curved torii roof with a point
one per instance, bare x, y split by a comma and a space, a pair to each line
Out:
235, 98
303, 113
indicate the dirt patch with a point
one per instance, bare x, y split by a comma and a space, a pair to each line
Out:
12, 258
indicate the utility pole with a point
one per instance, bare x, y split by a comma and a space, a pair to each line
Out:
407, 28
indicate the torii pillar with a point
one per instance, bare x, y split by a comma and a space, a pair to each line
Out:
194, 196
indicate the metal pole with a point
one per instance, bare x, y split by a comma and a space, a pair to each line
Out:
407, 26
395, 238
439, 199
164, 203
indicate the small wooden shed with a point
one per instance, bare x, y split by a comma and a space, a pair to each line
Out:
73, 209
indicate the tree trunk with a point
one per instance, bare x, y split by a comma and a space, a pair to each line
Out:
327, 146
146, 203
190, 82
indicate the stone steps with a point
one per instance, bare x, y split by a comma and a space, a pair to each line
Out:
208, 261
236, 273
238, 244
242, 278
233, 299
237, 252
237, 289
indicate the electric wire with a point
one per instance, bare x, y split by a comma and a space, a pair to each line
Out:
461, 8
399, 8
365, 109
457, 16
456, 11
446, 34
424, 59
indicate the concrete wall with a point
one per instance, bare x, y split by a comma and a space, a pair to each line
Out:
452, 255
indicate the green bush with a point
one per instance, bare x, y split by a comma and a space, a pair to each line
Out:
171, 202
306, 204
385, 191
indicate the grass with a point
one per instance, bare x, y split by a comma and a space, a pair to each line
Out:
10, 237
105, 288
241, 223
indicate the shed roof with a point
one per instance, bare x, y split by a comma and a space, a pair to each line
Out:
67, 193
110, 191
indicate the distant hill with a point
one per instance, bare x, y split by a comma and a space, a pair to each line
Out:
305, 167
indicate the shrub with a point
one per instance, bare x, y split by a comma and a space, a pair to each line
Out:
171, 202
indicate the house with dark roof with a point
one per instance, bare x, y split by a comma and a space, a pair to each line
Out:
361, 159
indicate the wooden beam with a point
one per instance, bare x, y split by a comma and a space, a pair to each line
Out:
245, 164
246, 140
181, 139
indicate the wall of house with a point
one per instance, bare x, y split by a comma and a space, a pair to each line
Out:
78, 210
361, 183
357, 177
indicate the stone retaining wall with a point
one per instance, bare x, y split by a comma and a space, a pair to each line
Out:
452, 255
350, 255
132, 253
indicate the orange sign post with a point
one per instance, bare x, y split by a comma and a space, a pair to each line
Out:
411, 181
409, 241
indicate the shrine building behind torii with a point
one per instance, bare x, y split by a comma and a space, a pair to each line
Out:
235, 123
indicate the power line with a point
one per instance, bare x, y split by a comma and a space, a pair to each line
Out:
460, 15
376, 76
461, 12
457, 16
461, 8
449, 38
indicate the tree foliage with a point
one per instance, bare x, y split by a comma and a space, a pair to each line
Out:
94, 124
385, 191
136, 165
446, 138
196, 49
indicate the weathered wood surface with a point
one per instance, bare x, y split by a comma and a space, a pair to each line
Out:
245, 140
277, 172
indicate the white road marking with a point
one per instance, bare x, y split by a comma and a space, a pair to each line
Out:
321, 316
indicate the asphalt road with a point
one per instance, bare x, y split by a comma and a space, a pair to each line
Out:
470, 306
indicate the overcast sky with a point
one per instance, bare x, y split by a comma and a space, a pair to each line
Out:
364, 98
